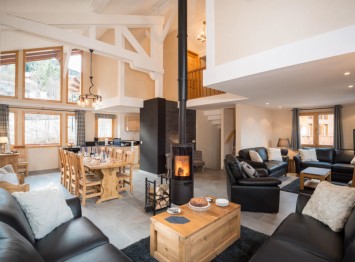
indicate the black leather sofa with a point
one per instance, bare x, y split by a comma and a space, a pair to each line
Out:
76, 240
274, 168
303, 238
338, 160
259, 194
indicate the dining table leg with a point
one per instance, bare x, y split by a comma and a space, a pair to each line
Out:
109, 185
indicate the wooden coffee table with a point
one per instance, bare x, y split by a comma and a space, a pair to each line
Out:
314, 173
203, 238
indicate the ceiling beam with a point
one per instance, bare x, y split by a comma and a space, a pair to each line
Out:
91, 19
139, 62
99, 5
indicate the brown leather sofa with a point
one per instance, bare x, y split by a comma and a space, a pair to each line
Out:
76, 240
302, 238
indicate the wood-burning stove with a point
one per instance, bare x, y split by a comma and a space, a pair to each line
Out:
182, 173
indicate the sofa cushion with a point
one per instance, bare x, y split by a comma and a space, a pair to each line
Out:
309, 234
12, 214
325, 154
316, 164
274, 154
279, 251
248, 169
343, 156
308, 155
273, 166
262, 152
45, 209
331, 204
70, 239
343, 168
254, 156
106, 252
244, 153
14, 247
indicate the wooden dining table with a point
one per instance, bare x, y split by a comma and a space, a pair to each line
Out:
110, 180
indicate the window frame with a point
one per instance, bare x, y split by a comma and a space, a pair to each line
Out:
97, 128
15, 126
81, 82
41, 113
316, 127
66, 126
16, 74
60, 78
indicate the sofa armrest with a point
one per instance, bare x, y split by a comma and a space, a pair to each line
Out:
285, 158
297, 160
261, 172
301, 202
74, 204
259, 181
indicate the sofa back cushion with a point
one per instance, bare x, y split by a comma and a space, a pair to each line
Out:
325, 154
14, 247
244, 153
12, 214
343, 156
262, 152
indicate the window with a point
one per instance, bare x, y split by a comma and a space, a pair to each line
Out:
74, 83
104, 126
71, 129
12, 121
317, 129
43, 69
42, 129
8, 74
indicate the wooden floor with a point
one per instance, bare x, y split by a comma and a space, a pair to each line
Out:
124, 221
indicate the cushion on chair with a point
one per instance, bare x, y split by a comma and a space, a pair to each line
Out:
325, 154
316, 164
262, 152
259, 181
343, 168
343, 156
254, 156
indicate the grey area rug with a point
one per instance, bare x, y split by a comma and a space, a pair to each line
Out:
241, 250
294, 187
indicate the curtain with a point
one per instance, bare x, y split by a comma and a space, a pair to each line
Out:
4, 121
295, 137
338, 128
107, 116
80, 127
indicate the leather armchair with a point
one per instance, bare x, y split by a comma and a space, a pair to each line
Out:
259, 194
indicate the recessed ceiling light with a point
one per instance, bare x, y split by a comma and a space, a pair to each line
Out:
350, 86
280, 107
267, 103
347, 73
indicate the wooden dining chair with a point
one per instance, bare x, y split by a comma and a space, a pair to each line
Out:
118, 155
67, 173
62, 166
73, 179
109, 152
88, 185
126, 173
22, 165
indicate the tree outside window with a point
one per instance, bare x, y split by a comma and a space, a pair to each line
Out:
43, 74
71, 129
8, 72
42, 129
74, 77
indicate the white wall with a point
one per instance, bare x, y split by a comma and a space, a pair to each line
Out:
348, 114
253, 126
281, 124
208, 139
228, 126
244, 27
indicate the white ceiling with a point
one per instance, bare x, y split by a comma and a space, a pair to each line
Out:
319, 83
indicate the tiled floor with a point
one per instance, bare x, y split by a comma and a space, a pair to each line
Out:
124, 221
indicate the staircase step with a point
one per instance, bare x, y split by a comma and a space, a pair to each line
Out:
214, 117
216, 122
212, 112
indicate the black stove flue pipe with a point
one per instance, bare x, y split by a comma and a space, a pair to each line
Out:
182, 68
